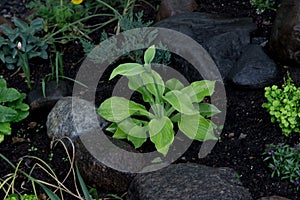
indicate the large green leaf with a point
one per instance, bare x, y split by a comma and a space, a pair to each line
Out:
137, 135
161, 134
196, 127
149, 54
208, 110
5, 128
154, 83
135, 83
174, 84
181, 102
7, 114
199, 89
127, 69
116, 109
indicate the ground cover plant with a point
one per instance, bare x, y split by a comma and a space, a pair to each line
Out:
247, 130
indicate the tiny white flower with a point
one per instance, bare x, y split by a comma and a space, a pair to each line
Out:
19, 45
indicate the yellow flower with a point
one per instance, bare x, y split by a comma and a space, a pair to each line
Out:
76, 1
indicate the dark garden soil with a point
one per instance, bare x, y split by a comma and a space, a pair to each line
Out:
246, 131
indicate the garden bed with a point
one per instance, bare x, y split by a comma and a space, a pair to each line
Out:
246, 132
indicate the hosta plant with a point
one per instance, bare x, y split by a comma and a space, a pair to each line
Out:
12, 108
283, 106
170, 103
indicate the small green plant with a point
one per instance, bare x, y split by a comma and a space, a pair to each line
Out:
22, 197
21, 44
263, 5
284, 162
283, 106
170, 103
12, 108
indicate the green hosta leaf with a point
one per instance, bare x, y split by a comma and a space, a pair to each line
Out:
137, 135
149, 54
136, 84
161, 134
196, 127
119, 134
181, 102
127, 69
116, 109
1, 138
174, 84
199, 89
208, 110
154, 83
7, 114
5, 128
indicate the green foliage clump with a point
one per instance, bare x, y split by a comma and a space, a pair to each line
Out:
12, 108
31, 45
22, 197
283, 106
284, 162
171, 103
263, 5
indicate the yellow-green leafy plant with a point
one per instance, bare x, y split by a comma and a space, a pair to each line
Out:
283, 106
170, 103
12, 108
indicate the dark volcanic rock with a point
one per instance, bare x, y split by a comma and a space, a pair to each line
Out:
223, 38
254, 69
188, 181
97, 155
285, 38
53, 92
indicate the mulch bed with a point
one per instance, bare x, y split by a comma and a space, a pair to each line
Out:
245, 116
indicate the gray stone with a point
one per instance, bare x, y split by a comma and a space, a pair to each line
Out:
285, 36
254, 69
188, 181
53, 92
223, 38
96, 154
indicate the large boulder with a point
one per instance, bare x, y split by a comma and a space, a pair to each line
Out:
75, 118
254, 69
285, 36
224, 38
188, 181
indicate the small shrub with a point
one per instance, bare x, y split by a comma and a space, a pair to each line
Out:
283, 106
